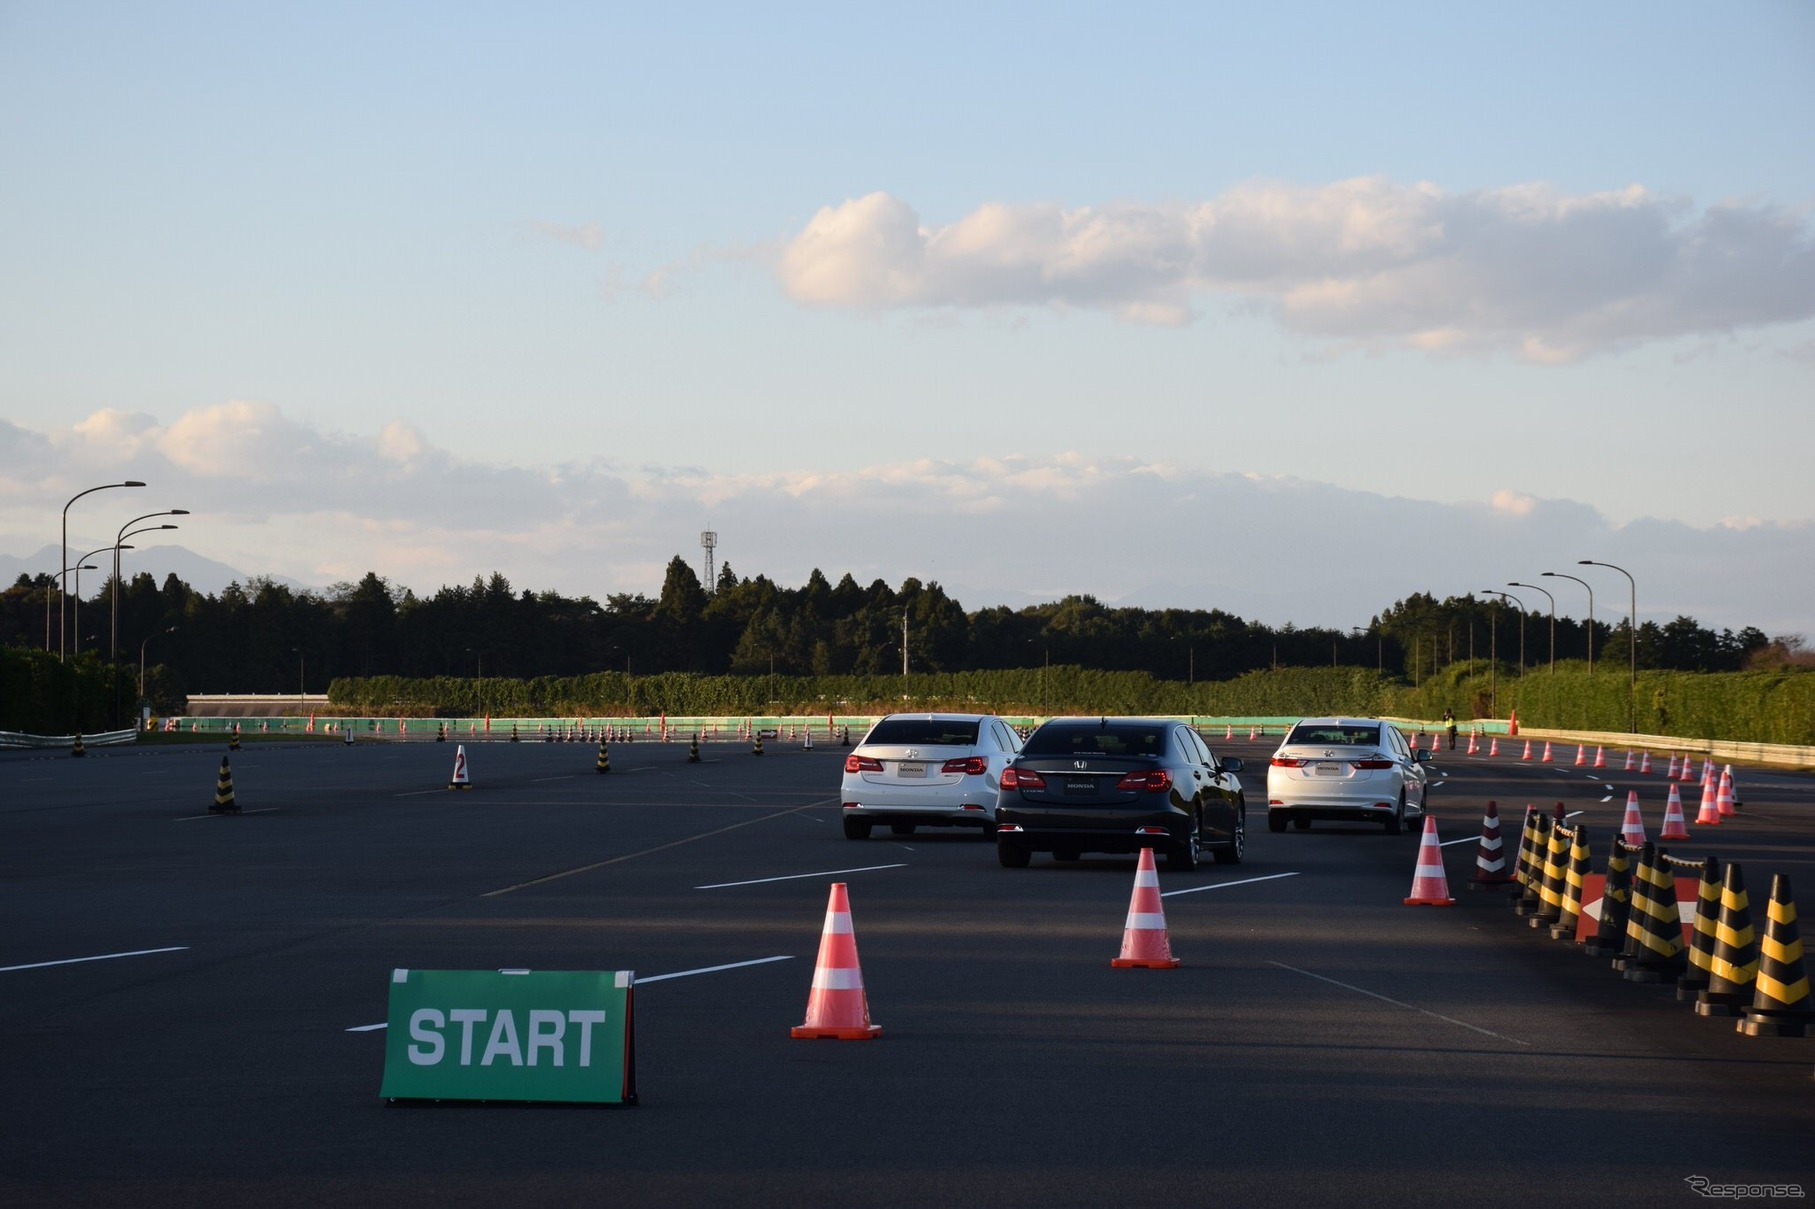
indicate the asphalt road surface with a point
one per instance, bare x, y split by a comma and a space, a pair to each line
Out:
1322, 1043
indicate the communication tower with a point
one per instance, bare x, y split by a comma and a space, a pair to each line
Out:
709, 540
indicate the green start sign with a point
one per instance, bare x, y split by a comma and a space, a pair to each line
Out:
544, 1036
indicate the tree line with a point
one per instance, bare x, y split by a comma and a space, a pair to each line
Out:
264, 637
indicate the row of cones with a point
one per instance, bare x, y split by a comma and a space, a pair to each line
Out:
838, 1007
1724, 969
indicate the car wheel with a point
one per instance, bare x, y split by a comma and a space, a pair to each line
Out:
1238, 840
1276, 820
989, 831
1183, 857
856, 828
1012, 856
901, 828
1396, 823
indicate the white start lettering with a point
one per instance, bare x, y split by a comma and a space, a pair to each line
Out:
545, 1042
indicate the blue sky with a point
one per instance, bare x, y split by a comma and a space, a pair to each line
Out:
441, 289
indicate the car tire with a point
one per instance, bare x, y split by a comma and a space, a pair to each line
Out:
901, 828
1238, 842
989, 831
1395, 822
856, 828
1012, 856
1276, 820
1182, 858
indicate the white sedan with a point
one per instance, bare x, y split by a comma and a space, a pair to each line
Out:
1354, 769
941, 769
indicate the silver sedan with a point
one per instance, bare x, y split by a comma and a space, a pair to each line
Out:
940, 769
1353, 769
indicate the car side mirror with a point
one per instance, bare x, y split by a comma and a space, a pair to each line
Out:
1423, 755
1232, 764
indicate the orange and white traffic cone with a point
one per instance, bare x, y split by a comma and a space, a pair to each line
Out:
1645, 763
1632, 829
1709, 814
1600, 757
1724, 798
1493, 745
1581, 755
1674, 770
1546, 759
1629, 758
1430, 888
1673, 818
1527, 754
1144, 944
1251, 734
1229, 730
836, 1006
459, 780
1472, 745
1490, 860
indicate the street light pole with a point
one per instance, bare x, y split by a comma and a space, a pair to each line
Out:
1513, 583
1521, 605
114, 606
1632, 630
64, 558
148, 638
1590, 587
76, 609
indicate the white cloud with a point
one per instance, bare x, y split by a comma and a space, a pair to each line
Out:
585, 236
269, 494
1546, 276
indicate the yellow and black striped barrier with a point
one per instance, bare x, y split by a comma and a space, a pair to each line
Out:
1654, 935
1575, 879
1733, 969
1616, 904
1780, 1001
1701, 938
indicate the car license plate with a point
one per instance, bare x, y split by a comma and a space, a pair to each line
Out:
1329, 768
1086, 785
910, 768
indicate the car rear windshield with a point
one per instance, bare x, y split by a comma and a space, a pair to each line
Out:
1335, 736
928, 732
1097, 741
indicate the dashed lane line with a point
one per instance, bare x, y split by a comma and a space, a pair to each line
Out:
734, 965
1397, 1003
1246, 881
70, 961
792, 877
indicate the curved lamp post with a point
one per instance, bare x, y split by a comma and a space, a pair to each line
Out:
1521, 604
1513, 583
75, 646
121, 536
1590, 587
61, 631
1632, 630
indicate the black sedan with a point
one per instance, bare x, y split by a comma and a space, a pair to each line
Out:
1120, 785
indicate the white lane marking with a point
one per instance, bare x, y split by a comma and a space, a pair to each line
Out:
416, 793
1219, 885
70, 961
792, 877
539, 780
216, 814
1608, 798
1468, 839
1572, 814
1396, 1003
735, 965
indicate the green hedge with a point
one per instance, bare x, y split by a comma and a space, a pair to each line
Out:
41, 694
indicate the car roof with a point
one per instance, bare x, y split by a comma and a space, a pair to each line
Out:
940, 717
1341, 722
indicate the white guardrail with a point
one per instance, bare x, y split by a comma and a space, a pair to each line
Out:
1776, 755
110, 738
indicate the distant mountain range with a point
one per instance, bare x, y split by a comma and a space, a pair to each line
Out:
203, 574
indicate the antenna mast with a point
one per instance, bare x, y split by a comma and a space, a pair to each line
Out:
709, 540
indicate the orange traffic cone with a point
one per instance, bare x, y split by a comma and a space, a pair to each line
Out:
1629, 758
1472, 747
1527, 754
836, 1006
1490, 860
1645, 763
1229, 730
1251, 734
1724, 797
459, 779
1709, 814
1672, 774
1546, 759
1512, 725
1430, 888
1144, 944
1581, 755
1493, 745
1600, 757
1632, 828
1673, 818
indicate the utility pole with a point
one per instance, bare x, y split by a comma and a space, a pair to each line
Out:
904, 655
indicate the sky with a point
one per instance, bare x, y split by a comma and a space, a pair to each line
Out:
1289, 310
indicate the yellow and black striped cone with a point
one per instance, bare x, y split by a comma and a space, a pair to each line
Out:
224, 801
1616, 904
1574, 879
513, 733
756, 749
1702, 936
1531, 860
1733, 971
604, 764
1550, 888
1654, 931
693, 750
441, 733
1522, 855
76, 749
1780, 998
